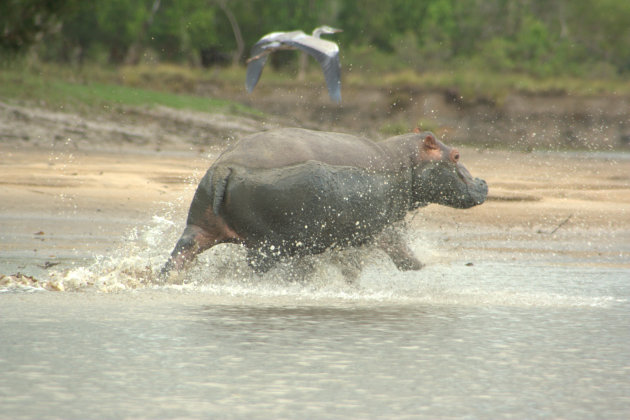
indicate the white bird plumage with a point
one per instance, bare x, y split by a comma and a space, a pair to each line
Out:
325, 52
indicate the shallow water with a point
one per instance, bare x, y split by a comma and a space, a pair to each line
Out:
496, 325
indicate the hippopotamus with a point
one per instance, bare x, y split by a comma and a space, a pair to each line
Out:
293, 192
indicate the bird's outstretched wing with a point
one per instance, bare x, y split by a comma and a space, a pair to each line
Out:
255, 66
327, 55
260, 51
325, 52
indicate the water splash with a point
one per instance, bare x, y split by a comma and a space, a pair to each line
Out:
353, 276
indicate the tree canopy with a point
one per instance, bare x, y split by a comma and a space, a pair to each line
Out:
539, 37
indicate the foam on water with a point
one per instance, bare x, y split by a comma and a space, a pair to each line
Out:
358, 275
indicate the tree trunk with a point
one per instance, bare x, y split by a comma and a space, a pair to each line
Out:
240, 44
133, 54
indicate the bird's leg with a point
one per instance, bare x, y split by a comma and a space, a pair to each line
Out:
256, 57
268, 51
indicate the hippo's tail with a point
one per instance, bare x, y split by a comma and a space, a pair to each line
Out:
210, 194
219, 181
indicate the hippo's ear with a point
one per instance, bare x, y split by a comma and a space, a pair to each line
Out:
429, 142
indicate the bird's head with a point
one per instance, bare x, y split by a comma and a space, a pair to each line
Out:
325, 30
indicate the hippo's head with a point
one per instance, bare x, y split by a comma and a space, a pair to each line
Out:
439, 177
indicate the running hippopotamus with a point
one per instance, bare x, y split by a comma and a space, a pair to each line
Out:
295, 192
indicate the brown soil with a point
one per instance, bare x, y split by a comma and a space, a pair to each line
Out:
517, 121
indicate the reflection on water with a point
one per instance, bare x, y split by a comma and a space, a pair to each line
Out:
167, 354
496, 330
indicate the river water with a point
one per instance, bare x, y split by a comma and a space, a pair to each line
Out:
495, 326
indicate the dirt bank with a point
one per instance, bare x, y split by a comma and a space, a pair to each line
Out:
123, 129
521, 121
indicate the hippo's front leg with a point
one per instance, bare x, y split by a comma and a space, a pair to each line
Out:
259, 261
392, 242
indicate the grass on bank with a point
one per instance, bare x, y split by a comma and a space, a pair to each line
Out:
472, 84
91, 89
94, 87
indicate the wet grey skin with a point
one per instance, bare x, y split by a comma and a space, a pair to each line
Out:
293, 192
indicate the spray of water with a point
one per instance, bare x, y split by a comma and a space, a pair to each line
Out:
354, 275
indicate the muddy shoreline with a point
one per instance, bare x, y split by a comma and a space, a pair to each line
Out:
62, 205
74, 186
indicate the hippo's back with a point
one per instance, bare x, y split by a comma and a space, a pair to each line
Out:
290, 146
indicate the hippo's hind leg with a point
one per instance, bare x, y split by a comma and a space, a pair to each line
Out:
204, 227
392, 242
193, 241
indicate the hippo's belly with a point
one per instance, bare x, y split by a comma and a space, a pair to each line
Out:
308, 207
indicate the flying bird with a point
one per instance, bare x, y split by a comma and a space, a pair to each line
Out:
325, 52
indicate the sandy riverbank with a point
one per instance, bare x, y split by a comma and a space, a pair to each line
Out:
58, 200
74, 186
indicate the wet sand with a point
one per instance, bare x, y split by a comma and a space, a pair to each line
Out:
63, 204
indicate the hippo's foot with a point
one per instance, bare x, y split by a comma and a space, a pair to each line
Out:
165, 272
193, 241
349, 264
392, 242
170, 273
259, 261
407, 263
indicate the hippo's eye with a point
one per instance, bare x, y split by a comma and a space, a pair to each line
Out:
454, 155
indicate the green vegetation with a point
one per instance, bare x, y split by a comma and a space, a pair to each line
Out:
472, 84
55, 89
92, 87
538, 38
136, 52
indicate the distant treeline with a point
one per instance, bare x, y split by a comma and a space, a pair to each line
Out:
539, 37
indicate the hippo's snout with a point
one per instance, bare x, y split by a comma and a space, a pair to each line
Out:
478, 191
474, 193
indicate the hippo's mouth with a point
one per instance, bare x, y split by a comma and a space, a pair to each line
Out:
455, 187
478, 191
477, 187
449, 185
